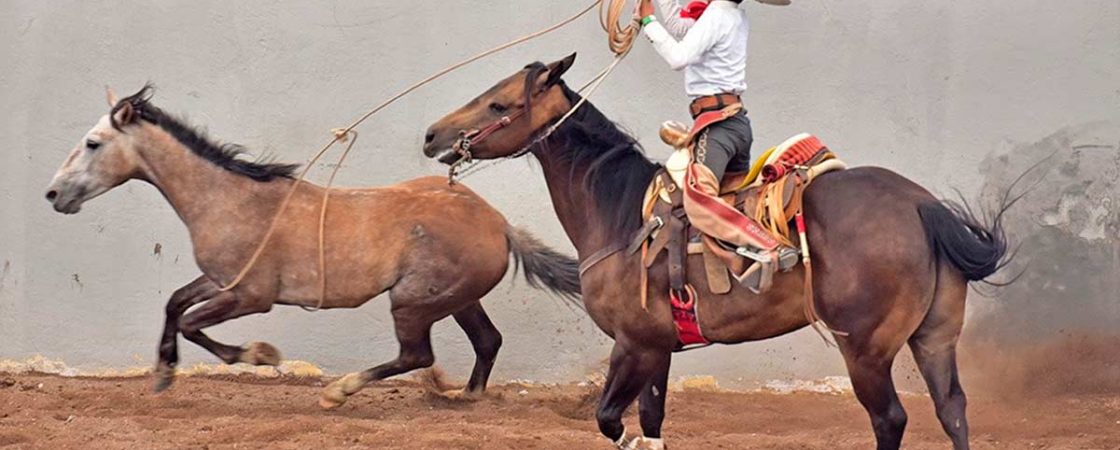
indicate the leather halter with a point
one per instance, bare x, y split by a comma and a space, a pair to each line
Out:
462, 146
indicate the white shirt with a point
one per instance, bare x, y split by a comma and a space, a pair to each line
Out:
712, 51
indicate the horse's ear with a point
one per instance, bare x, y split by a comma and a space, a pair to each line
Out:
111, 96
557, 69
124, 115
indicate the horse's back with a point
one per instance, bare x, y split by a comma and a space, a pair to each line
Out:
423, 228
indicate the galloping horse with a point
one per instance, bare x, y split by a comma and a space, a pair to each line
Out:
892, 262
436, 249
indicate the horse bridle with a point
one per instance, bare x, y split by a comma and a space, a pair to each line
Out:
468, 138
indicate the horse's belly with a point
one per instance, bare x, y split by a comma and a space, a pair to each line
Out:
741, 315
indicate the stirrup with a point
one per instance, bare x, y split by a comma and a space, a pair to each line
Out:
788, 258
759, 276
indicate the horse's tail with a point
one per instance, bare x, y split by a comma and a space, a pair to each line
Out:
545, 267
957, 235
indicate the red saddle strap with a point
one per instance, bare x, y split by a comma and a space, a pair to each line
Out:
684, 317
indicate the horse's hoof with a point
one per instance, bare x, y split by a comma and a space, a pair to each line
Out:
644, 443
329, 404
162, 384
460, 395
335, 394
165, 374
332, 397
260, 354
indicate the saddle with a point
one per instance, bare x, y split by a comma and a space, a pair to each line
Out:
770, 193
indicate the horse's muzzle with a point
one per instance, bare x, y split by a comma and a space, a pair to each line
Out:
66, 202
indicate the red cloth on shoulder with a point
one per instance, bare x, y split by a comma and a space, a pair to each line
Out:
694, 10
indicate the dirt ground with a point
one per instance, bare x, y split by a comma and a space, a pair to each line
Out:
49, 412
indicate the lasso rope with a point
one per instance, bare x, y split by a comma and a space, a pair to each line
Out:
621, 41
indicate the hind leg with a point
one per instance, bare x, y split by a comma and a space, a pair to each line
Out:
871, 380
486, 341
935, 350
415, 353
939, 368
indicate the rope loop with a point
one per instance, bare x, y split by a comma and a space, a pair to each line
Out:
621, 40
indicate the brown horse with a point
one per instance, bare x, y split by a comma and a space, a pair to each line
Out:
892, 262
436, 249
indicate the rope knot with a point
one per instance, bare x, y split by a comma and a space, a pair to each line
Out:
342, 134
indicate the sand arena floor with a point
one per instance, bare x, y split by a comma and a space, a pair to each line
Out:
244, 412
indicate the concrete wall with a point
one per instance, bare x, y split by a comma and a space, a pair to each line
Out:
947, 93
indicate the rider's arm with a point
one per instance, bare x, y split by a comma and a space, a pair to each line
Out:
701, 37
671, 17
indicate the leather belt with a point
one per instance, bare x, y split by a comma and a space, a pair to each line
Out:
712, 103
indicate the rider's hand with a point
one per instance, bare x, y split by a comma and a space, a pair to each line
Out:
645, 8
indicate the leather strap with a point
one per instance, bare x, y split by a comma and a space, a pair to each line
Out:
480, 135
719, 282
663, 210
678, 242
653, 224
711, 103
599, 256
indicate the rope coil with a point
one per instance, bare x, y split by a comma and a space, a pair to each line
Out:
620, 39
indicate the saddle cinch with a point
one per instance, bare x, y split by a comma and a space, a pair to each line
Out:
770, 193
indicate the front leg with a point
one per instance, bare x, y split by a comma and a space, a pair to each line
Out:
651, 407
183, 299
632, 368
221, 307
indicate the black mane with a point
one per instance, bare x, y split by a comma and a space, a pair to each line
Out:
226, 156
617, 170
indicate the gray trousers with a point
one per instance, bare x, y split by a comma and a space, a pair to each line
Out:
729, 145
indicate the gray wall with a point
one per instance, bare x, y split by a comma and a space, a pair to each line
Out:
947, 93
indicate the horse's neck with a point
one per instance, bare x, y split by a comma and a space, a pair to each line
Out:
202, 193
573, 205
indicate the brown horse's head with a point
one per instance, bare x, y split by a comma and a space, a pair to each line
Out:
505, 118
104, 158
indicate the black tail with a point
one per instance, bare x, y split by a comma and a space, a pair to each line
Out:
976, 248
545, 267
954, 232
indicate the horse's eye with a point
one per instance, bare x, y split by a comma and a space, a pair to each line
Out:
92, 144
498, 108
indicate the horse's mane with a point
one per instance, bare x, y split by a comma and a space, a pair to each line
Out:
617, 171
224, 155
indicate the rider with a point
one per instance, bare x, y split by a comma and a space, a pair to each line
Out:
708, 40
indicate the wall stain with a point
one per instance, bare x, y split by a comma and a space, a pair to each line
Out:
27, 27
1068, 229
78, 282
4, 273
